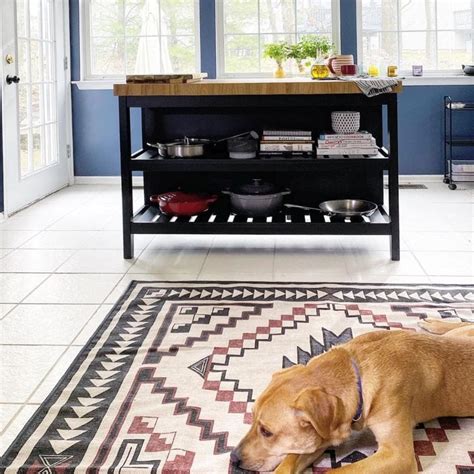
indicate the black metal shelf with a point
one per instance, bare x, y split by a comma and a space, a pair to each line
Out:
466, 106
453, 141
311, 179
221, 220
149, 160
459, 141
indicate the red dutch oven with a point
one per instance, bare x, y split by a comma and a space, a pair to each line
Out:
178, 203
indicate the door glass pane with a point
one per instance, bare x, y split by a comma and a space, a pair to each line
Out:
23, 60
36, 63
35, 19
49, 103
24, 153
37, 100
22, 19
48, 63
23, 105
48, 20
38, 155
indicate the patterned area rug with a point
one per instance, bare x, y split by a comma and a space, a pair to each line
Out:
167, 382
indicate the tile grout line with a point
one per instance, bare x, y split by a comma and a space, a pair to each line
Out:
36, 388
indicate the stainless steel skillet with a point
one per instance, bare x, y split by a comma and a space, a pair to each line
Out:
342, 208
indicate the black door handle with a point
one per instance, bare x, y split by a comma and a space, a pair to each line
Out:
13, 79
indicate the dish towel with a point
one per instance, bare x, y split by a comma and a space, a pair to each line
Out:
373, 87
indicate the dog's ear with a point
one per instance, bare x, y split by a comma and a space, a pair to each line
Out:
292, 369
324, 412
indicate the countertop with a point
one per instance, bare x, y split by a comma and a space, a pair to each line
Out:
226, 87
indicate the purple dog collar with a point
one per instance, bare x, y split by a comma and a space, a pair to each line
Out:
360, 405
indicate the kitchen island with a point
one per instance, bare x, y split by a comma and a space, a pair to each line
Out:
220, 108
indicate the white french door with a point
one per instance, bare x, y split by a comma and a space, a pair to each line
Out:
35, 105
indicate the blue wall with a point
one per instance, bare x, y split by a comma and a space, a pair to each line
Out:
95, 115
96, 119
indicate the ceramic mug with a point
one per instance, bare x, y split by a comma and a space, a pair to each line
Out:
349, 69
335, 63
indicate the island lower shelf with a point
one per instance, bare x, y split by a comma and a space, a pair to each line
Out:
222, 220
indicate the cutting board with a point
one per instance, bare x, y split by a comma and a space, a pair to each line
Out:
165, 78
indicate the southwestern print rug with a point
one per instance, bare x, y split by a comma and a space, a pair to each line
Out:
167, 382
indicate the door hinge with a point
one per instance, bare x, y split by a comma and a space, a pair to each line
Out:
68, 151
66, 63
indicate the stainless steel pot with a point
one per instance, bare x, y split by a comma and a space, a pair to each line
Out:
342, 208
185, 148
191, 147
256, 199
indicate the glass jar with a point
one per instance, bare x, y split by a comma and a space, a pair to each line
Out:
319, 71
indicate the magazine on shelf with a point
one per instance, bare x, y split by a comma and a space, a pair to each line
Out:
287, 133
347, 151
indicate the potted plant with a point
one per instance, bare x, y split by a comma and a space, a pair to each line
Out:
279, 53
318, 48
296, 51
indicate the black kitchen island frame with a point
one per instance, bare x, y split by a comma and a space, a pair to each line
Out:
312, 180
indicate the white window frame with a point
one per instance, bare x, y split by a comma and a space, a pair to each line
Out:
220, 52
85, 46
399, 31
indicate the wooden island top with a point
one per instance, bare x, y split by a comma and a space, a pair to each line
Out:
226, 87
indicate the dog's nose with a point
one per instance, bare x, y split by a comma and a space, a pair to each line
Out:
234, 457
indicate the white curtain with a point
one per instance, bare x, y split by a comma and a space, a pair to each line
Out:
150, 58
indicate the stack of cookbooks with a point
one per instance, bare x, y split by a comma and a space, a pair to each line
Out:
354, 144
287, 143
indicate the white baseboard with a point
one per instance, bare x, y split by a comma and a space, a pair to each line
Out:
2, 217
418, 178
138, 180
112, 180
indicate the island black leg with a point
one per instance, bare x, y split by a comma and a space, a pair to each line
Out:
127, 190
393, 177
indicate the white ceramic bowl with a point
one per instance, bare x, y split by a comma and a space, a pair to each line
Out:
345, 122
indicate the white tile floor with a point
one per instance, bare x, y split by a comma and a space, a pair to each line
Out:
61, 270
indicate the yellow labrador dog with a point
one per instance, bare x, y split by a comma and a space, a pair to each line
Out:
387, 381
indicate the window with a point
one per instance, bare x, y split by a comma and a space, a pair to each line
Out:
245, 26
139, 37
438, 34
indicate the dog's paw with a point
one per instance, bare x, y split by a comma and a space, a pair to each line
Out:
428, 324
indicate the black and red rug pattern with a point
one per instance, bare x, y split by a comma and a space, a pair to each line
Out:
167, 382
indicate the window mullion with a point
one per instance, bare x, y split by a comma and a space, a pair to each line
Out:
259, 38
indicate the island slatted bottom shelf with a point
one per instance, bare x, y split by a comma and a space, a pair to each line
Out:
221, 220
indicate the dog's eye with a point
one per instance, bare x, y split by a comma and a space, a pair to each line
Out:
265, 432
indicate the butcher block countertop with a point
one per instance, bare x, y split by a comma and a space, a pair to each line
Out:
226, 87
